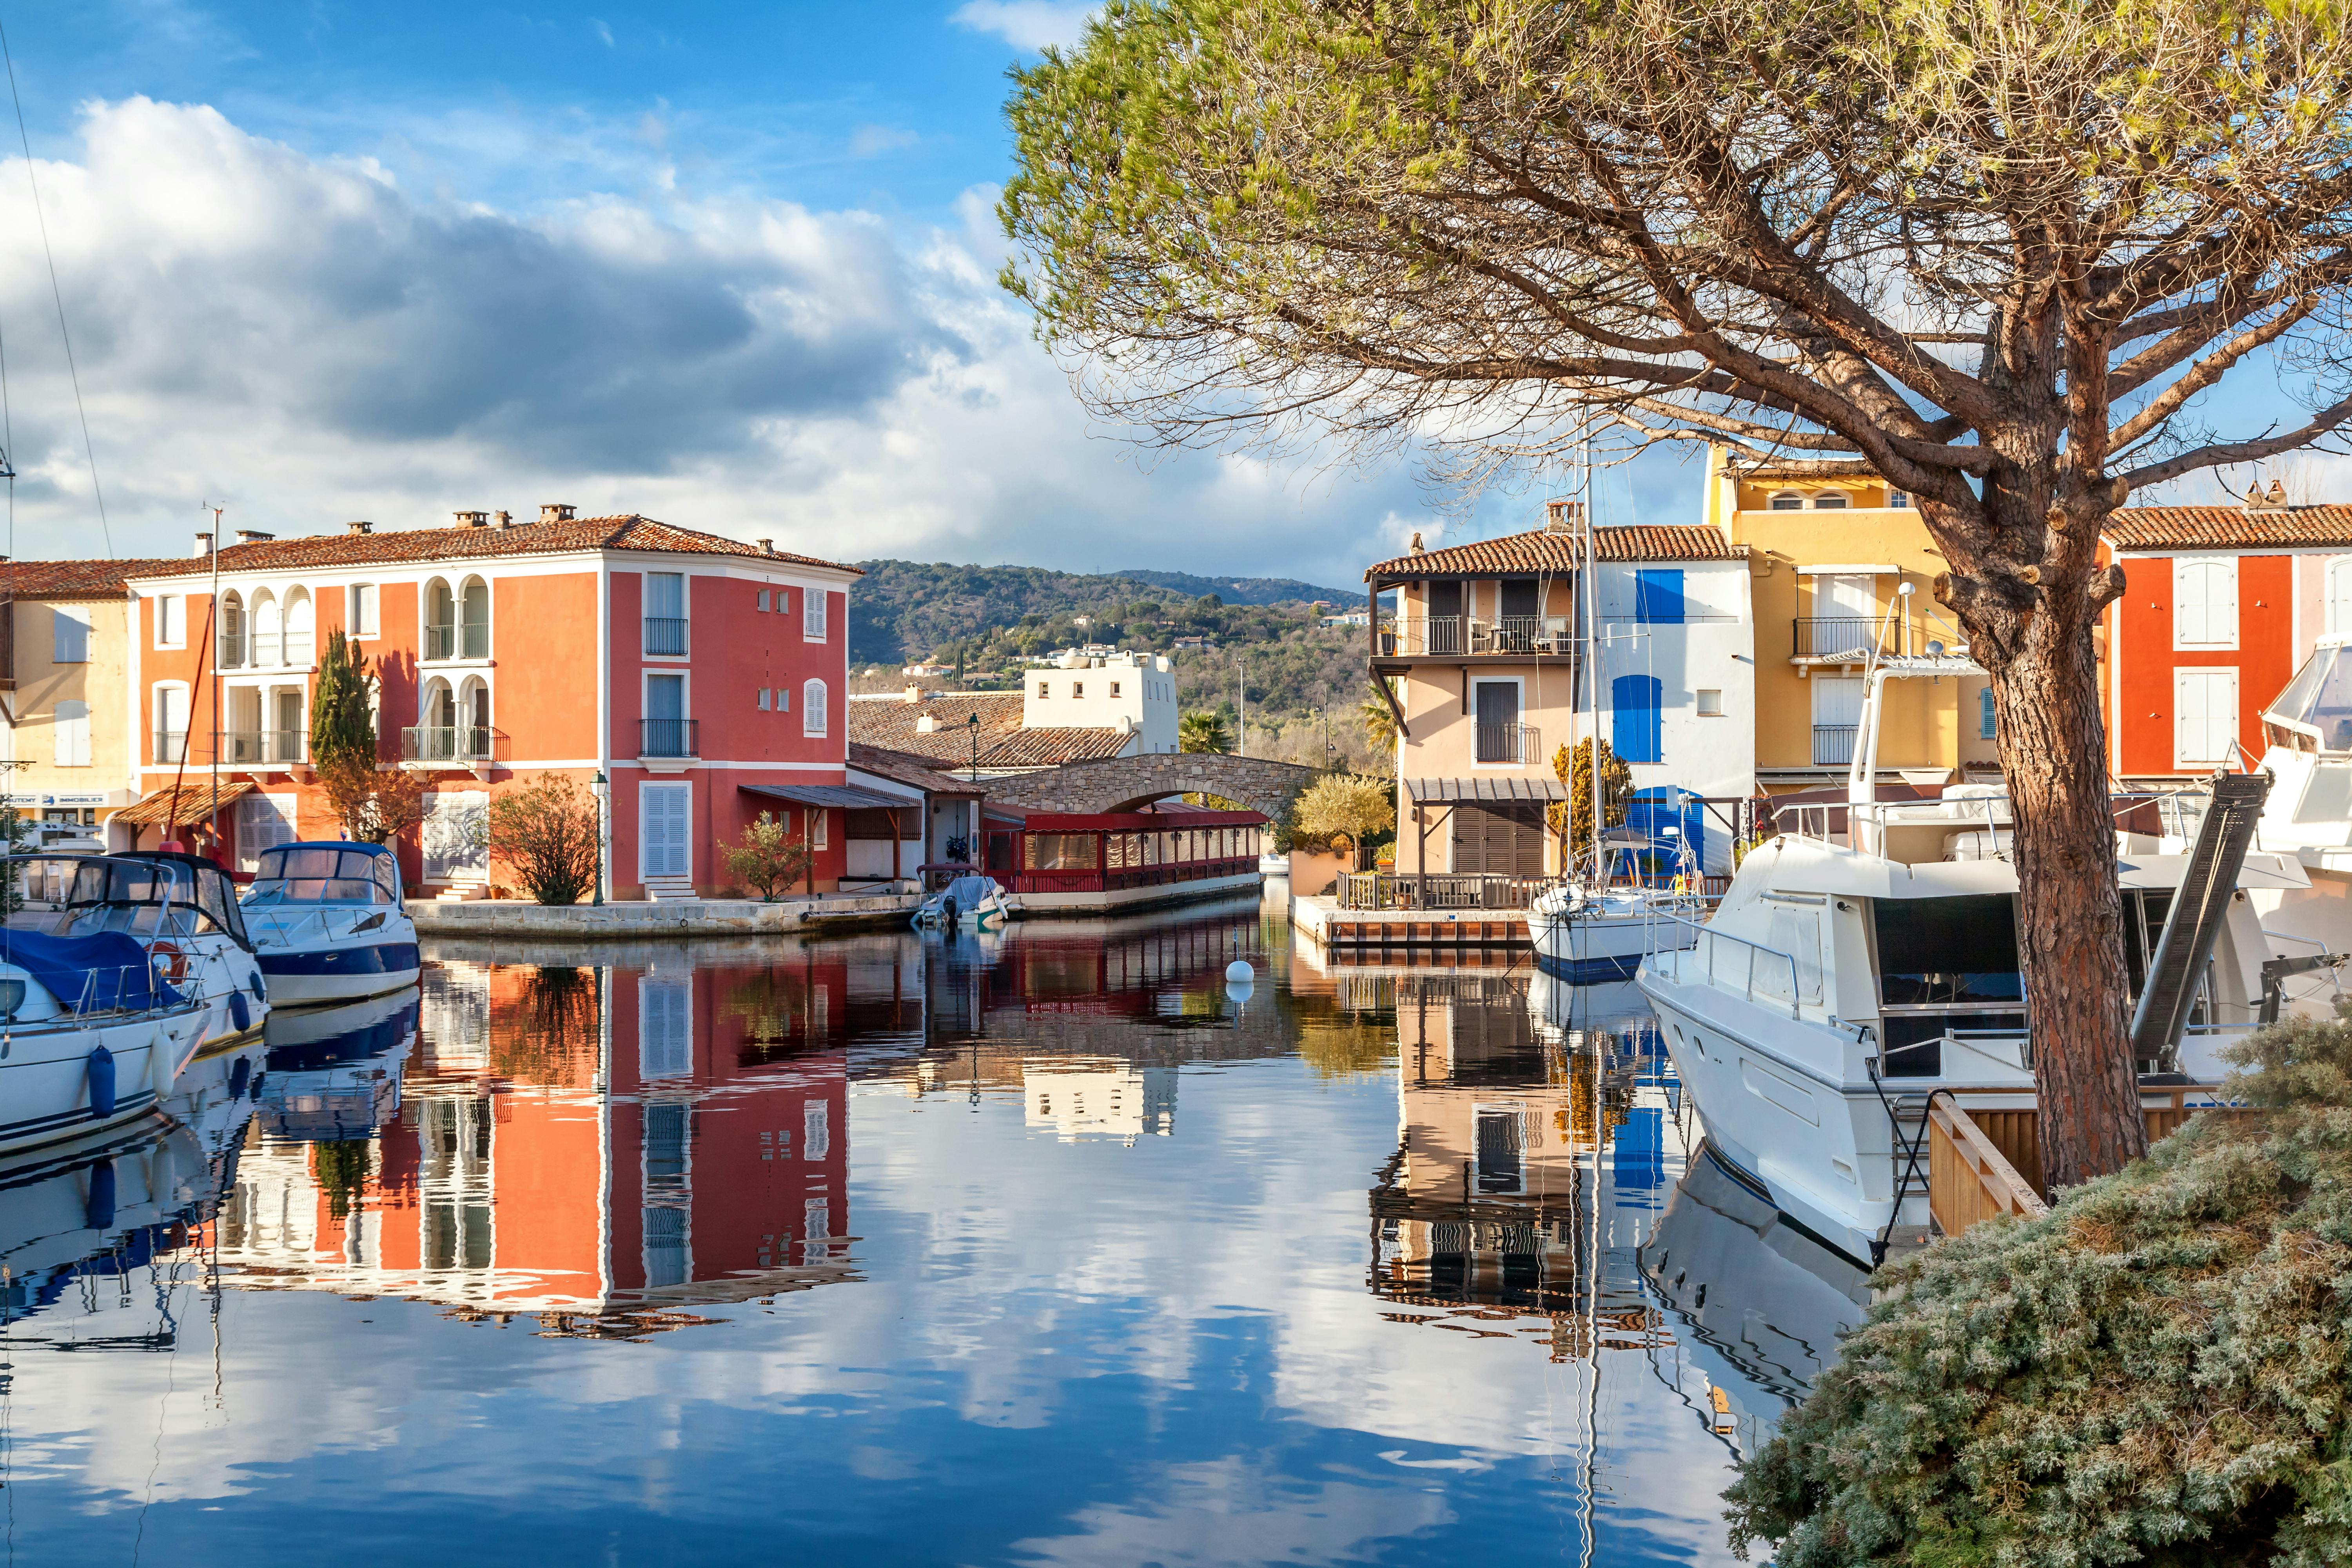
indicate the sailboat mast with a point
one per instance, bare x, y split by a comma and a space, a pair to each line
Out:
1592, 643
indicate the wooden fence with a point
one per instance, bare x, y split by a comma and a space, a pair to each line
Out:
1988, 1162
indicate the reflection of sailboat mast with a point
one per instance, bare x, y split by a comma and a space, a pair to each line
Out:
1593, 1306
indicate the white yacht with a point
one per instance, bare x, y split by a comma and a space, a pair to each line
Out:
1869, 958
1588, 929
181, 910
90, 1037
2308, 754
328, 923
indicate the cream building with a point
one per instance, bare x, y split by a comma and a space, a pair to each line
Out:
1134, 693
66, 693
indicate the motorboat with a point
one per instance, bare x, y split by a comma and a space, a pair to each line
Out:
1591, 929
973, 902
1866, 959
2307, 729
180, 910
328, 923
91, 1036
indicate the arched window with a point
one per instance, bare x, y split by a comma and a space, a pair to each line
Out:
440, 620
436, 723
232, 631
269, 640
474, 611
2339, 597
473, 716
298, 626
813, 707
1634, 729
1829, 500
1788, 500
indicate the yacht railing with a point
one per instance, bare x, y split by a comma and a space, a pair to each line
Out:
1741, 972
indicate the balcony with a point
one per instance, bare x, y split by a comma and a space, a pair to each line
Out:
460, 745
264, 748
1833, 745
1824, 636
1520, 743
1469, 636
666, 737
170, 745
453, 639
666, 635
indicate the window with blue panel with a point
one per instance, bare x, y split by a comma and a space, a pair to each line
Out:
1984, 715
1634, 722
1658, 595
1637, 1162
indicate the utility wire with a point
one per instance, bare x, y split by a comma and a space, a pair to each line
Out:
56, 293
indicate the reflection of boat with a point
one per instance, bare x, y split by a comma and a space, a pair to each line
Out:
973, 902
327, 922
1769, 1301
1586, 931
91, 1038
342, 1100
181, 909
314, 1035
105, 1213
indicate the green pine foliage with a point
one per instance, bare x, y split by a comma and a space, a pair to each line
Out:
2159, 1371
340, 725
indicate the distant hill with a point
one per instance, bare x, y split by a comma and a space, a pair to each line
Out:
1250, 590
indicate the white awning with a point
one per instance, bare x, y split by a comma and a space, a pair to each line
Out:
1844, 571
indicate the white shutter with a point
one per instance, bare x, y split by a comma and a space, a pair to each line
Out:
2339, 597
812, 614
69, 626
663, 813
2205, 718
2204, 603
71, 723
665, 1027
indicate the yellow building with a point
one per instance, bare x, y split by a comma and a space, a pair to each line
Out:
65, 685
1840, 566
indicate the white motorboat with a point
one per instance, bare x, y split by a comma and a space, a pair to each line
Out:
972, 902
91, 1037
181, 908
2308, 754
328, 923
1586, 931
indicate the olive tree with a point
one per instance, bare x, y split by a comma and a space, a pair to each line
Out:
2001, 252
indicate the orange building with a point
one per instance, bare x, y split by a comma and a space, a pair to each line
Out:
688, 670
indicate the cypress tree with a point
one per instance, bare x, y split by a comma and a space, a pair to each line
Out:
340, 724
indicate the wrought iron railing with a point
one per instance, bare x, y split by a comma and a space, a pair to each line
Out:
247, 748
446, 744
1833, 745
665, 635
1445, 637
1509, 743
1819, 636
666, 737
458, 639
1409, 891
170, 745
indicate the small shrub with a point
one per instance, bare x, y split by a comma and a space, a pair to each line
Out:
547, 833
767, 859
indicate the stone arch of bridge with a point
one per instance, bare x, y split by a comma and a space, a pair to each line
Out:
1126, 784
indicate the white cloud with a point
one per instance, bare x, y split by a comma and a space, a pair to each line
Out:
1024, 23
873, 140
307, 341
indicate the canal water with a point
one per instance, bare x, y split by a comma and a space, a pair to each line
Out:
1045, 1248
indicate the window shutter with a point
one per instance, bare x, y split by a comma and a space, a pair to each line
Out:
1658, 595
1985, 716
71, 641
1634, 729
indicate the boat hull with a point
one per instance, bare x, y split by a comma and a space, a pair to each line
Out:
50, 1095
310, 977
1602, 947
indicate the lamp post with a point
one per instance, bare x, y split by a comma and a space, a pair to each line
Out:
971, 726
603, 788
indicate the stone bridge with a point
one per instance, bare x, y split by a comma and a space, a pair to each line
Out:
1124, 783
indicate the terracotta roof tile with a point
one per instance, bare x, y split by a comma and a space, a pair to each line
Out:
426, 544
1544, 551
2227, 527
1052, 748
933, 773
890, 723
77, 579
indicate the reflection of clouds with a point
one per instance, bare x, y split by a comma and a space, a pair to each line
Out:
1227, 1509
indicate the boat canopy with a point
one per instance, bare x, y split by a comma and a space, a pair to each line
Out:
131, 893
2318, 701
330, 873
97, 974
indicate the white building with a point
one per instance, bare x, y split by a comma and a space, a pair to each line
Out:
1132, 692
1109, 1099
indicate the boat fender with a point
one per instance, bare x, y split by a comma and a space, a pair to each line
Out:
253, 984
102, 1082
98, 1208
238, 1076
239, 1013
948, 912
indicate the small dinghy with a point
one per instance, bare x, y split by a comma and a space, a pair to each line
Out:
91, 1036
974, 900
328, 924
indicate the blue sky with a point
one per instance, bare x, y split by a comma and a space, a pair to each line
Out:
730, 266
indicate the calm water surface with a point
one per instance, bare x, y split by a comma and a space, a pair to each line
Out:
1042, 1249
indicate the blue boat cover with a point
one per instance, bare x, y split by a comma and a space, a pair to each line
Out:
102, 971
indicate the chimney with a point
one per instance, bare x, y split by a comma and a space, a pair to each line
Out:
252, 536
506, 519
555, 511
767, 546
2278, 494
204, 546
1561, 516
362, 527
914, 694
473, 519
1417, 549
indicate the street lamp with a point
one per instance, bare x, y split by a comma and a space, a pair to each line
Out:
971, 726
603, 788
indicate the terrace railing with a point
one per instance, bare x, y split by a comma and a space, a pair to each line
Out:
1365, 890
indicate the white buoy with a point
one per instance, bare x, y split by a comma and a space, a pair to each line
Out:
1240, 973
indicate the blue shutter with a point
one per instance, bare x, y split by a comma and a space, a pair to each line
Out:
1633, 731
1984, 718
1658, 595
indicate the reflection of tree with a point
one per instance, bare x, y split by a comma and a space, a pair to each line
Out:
1338, 1046
340, 1170
768, 1004
547, 1034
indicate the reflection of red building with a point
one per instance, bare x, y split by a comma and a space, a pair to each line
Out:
578, 1140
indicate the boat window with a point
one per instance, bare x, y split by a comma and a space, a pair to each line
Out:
1944, 964
127, 896
2320, 696
317, 874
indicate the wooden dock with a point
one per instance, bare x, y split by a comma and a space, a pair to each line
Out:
1335, 930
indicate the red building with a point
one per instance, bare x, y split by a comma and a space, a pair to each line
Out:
688, 668
2222, 605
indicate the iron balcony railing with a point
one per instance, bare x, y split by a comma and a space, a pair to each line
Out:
250, 748
1406, 890
456, 640
1820, 637
170, 745
1509, 743
666, 737
664, 635
446, 744
1833, 745
1446, 636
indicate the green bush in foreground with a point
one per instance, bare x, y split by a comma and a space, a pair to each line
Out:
2155, 1373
